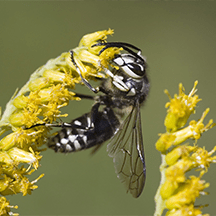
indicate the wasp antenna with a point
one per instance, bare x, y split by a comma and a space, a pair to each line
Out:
125, 46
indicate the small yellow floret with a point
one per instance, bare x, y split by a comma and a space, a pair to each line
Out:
180, 108
187, 210
187, 193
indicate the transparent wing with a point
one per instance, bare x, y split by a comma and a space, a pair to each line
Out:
126, 148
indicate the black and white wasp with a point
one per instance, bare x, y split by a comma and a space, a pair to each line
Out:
115, 116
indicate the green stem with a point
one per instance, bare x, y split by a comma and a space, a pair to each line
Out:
159, 202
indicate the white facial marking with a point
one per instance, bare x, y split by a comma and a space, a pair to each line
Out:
118, 77
117, 81
119, 61
128, 60
108, 72
128, 71
120, 87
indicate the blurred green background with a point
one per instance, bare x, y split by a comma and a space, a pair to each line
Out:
178, 39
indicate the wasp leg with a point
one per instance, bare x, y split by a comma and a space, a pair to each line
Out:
90, 119
62, 125
95, 90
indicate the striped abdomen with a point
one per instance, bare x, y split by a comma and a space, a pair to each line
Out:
89, 130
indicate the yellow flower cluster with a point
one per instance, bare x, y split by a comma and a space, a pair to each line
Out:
38, 102
177, 192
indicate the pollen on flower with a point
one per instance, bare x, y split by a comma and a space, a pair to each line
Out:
18, 182
193, 131
38, 84
6, 207
165, 141
89, 39
187, 193
187, 210
31, 137
180, 108
109, 54
181, 151
175, 175
203, 158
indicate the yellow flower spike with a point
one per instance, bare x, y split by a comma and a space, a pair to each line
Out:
30, 117
203, 158
8, 142
38, 178
20, 102
69, 80
50, 95
38, 84
60, 94
16, 119
54, 76
165, 142
87, 57
180, 108
35, 164
175, 174
194, 130
65, 77
45, 94
89, 39
33, 100
33, 135
21, 185
18, 155
5, 207
188, 193
4, 183
178, 152
168, 188
51, 112
176, 171
80, 65
177, 192
38, 102
188, 210
93, 73
108, 55
5, 158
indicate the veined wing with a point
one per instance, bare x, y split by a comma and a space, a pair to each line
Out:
126, 148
